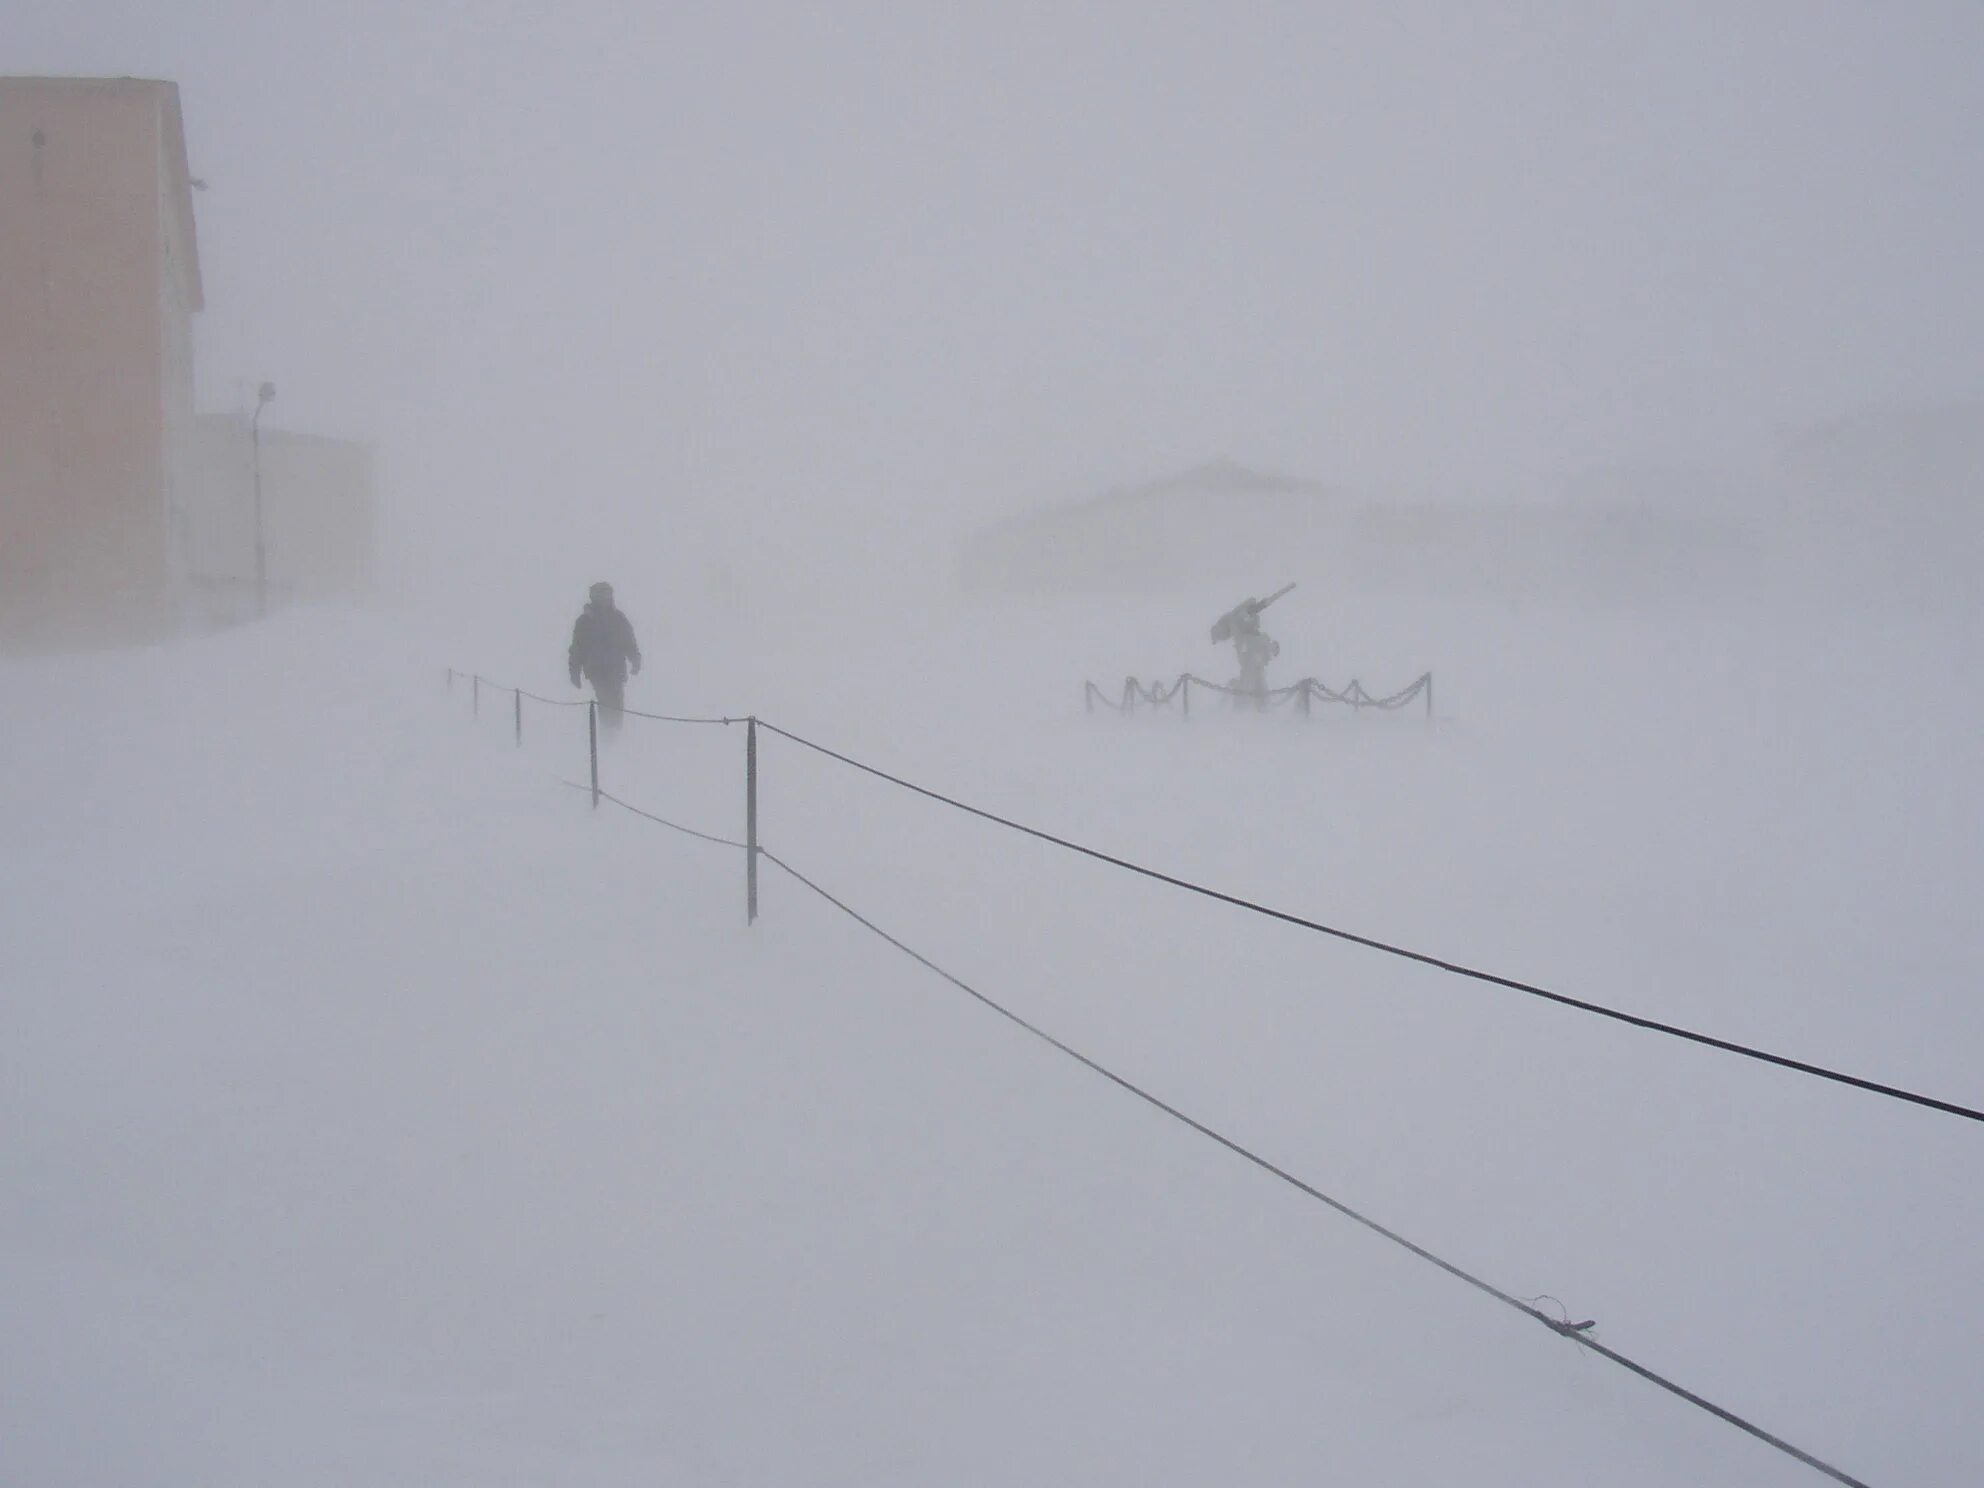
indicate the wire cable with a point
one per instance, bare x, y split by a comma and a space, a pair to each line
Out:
551, 702
657, 820
671, 718
1577, 1332
1839, 1077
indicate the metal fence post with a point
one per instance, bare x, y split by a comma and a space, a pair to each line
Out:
1429, 697
518, 700
751, 820
1306, 697
592, 747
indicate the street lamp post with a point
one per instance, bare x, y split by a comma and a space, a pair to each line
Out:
263, 397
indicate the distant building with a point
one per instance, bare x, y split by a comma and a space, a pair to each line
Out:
1224, 526
317, 514
99, 280
1216, 519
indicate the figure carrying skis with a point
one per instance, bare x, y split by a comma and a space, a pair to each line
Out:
1242, 626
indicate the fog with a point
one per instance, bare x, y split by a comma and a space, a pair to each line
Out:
383, 1111
746, 280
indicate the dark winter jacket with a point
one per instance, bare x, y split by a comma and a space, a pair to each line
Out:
603, 644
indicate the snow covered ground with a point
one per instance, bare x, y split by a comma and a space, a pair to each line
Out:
374, 1112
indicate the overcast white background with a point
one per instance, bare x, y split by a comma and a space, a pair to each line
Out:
590, 269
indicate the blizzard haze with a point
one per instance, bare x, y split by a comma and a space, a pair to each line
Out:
375, 1110
743, 280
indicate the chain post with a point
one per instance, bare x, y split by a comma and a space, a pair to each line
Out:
517, 701
475, 696
751, 820
592, 746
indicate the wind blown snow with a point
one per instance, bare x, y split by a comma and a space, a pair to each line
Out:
376, 1112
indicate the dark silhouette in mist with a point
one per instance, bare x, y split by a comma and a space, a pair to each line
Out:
604, 652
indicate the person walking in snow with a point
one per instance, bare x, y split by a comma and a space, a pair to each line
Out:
604, 652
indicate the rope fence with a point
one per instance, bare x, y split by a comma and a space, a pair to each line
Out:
1579, 1332
1158, 695
753, 724
660, 821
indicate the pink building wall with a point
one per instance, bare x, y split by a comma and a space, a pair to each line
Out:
99, 276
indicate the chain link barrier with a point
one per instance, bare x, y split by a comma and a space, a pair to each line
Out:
1157, 694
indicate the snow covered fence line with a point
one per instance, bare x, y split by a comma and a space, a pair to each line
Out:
753, 849
592, 785
1303, 695
1578, 1332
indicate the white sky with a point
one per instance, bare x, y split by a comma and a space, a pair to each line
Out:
914, 264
